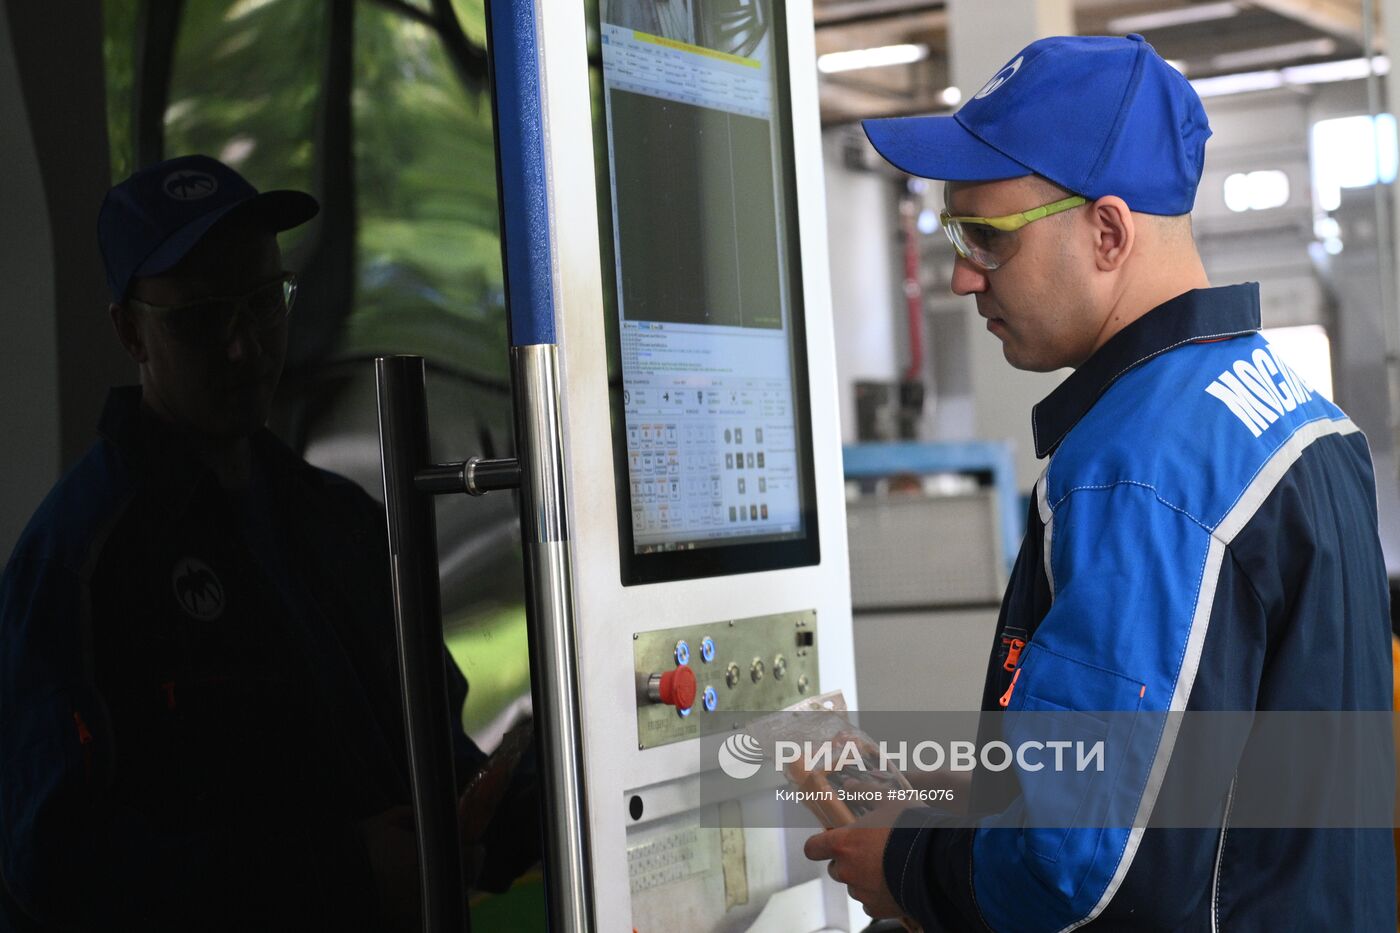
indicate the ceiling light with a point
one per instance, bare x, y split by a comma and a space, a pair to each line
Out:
951, 96
1238, 83
879, 57
1273, 54
1350, 69
1256, 191
1165, 19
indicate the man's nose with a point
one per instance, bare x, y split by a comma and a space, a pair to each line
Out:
967, 278
244, 344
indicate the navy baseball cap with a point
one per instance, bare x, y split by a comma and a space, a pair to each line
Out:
151, 221
1097, 115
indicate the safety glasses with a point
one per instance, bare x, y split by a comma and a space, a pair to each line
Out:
215, 319
988, 242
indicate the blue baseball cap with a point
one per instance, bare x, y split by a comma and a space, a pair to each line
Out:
151, 221
1097, 115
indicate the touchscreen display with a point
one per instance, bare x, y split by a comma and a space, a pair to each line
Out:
705, 293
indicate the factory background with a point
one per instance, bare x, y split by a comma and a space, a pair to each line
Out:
381, 108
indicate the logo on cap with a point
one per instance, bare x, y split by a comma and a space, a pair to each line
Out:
197, 589
190, 185
1000, 78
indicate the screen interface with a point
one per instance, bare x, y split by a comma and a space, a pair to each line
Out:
706, 294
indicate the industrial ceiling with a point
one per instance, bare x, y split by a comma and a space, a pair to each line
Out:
1203, 39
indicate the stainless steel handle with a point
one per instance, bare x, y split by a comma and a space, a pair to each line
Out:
403, 448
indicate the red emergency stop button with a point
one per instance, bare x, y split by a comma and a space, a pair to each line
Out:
675, 688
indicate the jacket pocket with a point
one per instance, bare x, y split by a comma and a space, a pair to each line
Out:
1072, 728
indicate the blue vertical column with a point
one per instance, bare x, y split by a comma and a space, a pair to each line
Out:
521, 170
522, 176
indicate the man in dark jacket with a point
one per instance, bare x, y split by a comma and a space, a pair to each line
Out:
1203, 539
200, 718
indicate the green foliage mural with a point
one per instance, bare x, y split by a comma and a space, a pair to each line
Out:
252, 82
118, 29
379, 108
429, 253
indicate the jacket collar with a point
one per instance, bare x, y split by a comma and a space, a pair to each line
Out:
1202, 314
158, 457
161, 458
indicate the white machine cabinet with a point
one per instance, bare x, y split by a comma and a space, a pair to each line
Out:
699, 433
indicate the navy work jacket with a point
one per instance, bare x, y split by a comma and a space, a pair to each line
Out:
1204, 537
198, 693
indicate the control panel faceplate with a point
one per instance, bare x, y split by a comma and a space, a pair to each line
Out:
759, 664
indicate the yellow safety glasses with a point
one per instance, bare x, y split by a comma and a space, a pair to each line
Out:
214, 319
988, 242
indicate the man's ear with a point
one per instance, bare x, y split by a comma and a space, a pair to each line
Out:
124, 321
1114, 233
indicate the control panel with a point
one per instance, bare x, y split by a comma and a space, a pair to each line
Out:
690, 676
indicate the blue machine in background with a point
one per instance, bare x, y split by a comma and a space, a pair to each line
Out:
885, 459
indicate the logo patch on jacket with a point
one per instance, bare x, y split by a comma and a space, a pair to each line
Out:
1260, 390
197, 589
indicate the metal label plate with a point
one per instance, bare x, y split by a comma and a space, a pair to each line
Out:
760, 664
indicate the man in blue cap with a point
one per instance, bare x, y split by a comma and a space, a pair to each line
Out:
200, 719
1203, 537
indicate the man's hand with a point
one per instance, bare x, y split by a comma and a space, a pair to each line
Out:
857, 856
392, 844
484, 791
483, 795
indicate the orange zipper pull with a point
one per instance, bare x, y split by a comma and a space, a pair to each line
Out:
85, 740
1013, 654
1006, 697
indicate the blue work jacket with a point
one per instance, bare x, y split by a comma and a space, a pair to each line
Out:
199, 697
1204, 537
